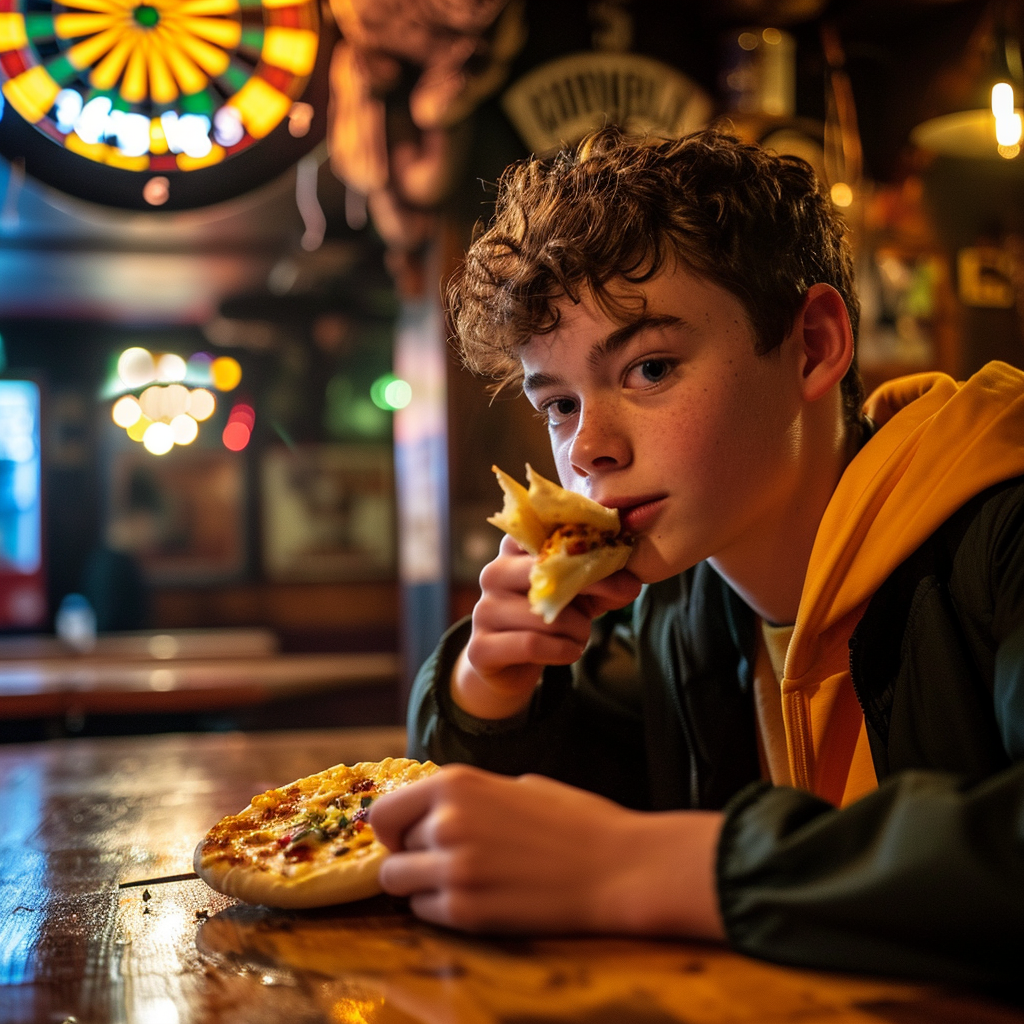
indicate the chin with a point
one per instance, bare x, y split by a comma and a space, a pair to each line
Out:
649, 565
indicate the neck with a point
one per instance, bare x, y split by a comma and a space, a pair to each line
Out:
768, 568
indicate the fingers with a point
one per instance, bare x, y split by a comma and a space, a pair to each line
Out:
394, 813
506, 633
615, 591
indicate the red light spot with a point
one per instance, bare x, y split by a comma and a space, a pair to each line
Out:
244, 414
235, 436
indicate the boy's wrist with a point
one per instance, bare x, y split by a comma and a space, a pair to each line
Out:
476, 696
666, 883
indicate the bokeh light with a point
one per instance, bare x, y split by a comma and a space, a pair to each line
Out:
138, 429
201, 404
158, 438
184, 429
243, 413
239, 427
226, 373
236, 436
151, 401
126, 411
161, 410
390, 392
398, 394
175, 400
170, 367
198, 370
136, 368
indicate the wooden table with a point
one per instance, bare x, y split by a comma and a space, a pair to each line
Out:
139, 645
80, 820
117, 685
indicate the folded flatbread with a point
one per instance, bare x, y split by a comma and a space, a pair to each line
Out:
574, 541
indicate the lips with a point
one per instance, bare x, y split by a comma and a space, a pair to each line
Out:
637, 516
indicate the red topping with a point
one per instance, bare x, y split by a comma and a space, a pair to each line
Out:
362, 786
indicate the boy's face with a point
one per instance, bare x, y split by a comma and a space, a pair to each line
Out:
674, 419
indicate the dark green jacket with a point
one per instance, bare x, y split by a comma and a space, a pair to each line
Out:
923, 877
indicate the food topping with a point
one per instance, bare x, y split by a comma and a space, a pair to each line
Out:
578, 539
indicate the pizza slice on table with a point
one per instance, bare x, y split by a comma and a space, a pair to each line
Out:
307, 844
575, 541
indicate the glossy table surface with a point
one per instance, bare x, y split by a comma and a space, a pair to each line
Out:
125, 685
88, 934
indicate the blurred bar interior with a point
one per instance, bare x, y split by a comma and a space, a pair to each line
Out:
243, 481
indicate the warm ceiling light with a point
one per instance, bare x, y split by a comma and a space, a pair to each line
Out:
991, 55
1008, 122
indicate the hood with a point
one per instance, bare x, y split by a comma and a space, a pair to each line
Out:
938, 444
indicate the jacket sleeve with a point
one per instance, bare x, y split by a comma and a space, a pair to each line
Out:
922, 878
583, 725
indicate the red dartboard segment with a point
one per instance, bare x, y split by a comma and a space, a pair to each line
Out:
14, 62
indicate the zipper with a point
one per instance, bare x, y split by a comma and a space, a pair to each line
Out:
801, 741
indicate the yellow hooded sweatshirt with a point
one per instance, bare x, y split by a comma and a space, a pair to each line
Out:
939, 443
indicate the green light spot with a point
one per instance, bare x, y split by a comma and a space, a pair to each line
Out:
146, 16
390, 393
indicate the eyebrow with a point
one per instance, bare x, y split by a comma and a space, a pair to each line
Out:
612, 343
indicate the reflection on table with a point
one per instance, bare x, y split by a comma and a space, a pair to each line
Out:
87, 827
143, 645
172, 672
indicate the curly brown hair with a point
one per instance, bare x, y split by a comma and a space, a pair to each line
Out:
624, 207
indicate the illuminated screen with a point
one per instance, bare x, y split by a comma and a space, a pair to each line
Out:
22, 599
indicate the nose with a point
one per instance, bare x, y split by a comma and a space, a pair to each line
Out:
599, 444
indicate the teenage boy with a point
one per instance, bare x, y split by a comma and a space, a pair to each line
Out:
807, 736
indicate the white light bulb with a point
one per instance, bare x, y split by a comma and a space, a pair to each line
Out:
1002, 99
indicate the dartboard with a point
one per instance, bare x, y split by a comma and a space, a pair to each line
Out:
161, 103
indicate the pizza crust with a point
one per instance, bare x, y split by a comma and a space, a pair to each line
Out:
251, 855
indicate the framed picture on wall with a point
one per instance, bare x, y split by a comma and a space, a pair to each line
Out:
328, 512
181, 515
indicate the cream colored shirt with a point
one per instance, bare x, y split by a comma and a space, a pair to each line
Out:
769, 669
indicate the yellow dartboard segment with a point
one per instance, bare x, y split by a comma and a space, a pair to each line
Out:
32, 93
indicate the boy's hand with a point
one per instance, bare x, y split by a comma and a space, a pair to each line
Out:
497, 671
485, 852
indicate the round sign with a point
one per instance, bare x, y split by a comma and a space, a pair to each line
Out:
167, 104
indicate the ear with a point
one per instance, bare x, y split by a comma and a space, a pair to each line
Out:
824, 341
